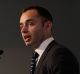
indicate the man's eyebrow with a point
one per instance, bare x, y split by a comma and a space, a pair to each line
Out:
29, 20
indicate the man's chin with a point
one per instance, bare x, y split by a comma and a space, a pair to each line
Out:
31, 44
28, 43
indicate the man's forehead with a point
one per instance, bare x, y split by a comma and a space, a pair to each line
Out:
29, 14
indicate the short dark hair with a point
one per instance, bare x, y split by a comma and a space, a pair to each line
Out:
41, 11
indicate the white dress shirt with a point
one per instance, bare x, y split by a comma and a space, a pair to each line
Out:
42, 47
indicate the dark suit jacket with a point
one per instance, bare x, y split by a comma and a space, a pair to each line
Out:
57, 59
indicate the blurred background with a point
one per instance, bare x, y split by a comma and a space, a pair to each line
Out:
16, 56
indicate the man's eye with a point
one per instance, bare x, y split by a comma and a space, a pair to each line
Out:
30, 23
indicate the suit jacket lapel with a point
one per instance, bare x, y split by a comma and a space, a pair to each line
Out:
44, 55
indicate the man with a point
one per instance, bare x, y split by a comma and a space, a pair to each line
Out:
36, 28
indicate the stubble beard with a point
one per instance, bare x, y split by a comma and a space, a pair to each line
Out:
34, 44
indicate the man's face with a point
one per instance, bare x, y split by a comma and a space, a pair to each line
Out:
32, 28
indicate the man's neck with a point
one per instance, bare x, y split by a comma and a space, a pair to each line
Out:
38, 45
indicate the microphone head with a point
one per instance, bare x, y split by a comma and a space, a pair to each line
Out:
1, 52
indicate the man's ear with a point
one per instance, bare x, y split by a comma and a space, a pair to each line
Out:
48, 25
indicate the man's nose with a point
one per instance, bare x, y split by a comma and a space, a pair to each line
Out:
24, 29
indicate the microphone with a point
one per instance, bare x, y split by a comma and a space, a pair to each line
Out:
1, 52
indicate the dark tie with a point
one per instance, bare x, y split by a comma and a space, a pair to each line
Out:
33, 62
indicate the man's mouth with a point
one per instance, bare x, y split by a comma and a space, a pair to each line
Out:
27, 38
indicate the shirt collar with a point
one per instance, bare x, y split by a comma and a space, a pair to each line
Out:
44, 45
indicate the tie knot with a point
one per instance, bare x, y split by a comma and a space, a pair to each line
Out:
35, 55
